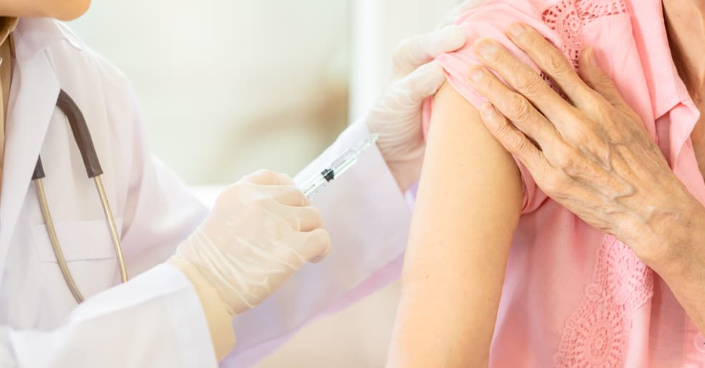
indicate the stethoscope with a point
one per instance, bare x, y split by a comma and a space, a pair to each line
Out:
83, 139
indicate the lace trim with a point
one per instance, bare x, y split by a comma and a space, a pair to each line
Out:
568, 17
596, 334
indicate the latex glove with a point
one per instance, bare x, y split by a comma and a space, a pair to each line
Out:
460, 10
397, 115
259, 233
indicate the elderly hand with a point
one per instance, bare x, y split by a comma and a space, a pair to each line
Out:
593, 156
397, 114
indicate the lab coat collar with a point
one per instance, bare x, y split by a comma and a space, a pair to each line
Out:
38, 34
35, 89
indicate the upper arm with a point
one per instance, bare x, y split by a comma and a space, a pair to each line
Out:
466, 212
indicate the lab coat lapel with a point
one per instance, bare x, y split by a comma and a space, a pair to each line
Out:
35, 90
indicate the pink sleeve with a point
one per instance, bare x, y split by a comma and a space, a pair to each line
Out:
491, 21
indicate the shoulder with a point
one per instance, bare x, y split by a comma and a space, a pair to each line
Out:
101, 91
79, 70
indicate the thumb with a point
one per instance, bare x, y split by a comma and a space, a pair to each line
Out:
597, 79
417, 51
461, 9
423, 83
266, 177
316, 245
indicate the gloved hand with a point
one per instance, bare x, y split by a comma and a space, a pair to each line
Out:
396, 116
259, 233
460, 10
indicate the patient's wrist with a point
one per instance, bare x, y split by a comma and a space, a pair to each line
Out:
678, 236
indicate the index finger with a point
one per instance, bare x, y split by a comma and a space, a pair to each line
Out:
551, 60
523, 79
266, 177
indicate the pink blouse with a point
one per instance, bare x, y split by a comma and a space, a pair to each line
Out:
574, 297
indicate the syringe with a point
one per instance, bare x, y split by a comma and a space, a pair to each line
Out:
338, 167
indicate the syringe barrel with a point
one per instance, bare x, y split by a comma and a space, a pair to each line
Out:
338, 167
345, 162
314, 185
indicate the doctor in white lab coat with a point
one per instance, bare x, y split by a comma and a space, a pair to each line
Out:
157, 319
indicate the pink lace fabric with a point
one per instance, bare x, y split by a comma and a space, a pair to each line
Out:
568, 17
596, 334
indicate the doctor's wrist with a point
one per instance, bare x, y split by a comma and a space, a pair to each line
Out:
216, 312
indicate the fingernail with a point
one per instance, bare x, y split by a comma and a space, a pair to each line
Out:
591, 56
477, 74
486, 48
516, 29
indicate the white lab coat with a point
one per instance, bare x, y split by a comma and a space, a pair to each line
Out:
155, 320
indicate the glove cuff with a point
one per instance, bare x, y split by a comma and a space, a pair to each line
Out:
216, 311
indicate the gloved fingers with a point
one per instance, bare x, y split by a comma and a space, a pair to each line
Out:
301, 219
422, 83
315, 245
266, 177
460, 10
286, 195
417, 51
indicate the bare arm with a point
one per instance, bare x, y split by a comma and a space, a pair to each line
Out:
467, 211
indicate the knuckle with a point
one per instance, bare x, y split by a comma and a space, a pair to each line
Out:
263, 203
284, 179
323, 239
300, 196
594, 98
557, 64
401, 52
529, 85
233, 192
262, 177
571, 163
312, 216
264, 172
512, 140
316, 217
553, 183
521, 108
521, 144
